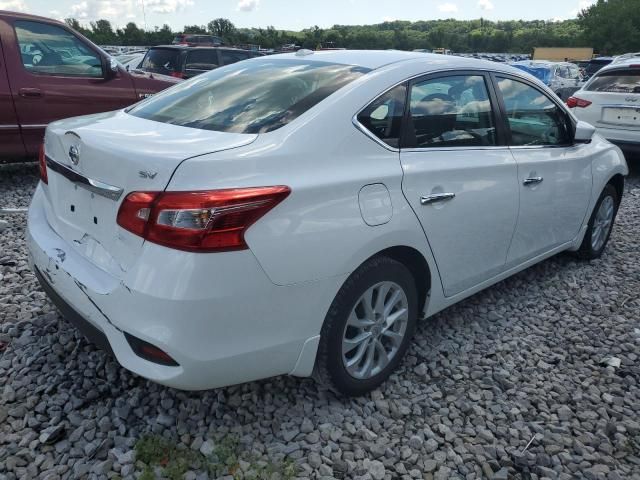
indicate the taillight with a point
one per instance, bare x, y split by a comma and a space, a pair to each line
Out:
42, 163
205, 221
177, 74
573, 102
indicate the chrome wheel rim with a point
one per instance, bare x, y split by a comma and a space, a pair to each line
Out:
602, 223
375, 330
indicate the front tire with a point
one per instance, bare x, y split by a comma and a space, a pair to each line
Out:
368, 328
600, 225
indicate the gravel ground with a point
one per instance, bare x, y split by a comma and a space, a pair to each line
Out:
536, 377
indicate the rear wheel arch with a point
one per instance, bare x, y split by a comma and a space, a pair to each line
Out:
417, 265
617, 181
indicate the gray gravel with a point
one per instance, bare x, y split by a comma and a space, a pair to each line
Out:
537, 377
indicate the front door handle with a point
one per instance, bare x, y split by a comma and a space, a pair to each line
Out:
532, 180
436, 197
30, 92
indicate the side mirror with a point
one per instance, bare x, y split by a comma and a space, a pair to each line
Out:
111, 67
584, 132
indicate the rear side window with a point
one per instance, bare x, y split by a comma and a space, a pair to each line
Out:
202, 60
616, 81
248, 97
383, 117
162, 60
52, 50
534, 119
451, 112
230, 56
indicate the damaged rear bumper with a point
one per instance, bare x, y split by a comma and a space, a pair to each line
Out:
93, 333
217, 315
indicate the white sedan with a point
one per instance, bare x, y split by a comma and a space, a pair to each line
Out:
297, 214
611, 102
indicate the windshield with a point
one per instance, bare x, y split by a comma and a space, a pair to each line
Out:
616, 81
255, 96
161, 60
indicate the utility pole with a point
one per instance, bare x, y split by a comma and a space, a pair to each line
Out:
144, 15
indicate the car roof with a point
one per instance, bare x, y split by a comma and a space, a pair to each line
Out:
28, 16
197, 47
374, 59
621, 65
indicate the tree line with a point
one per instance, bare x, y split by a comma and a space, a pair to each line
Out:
609, 26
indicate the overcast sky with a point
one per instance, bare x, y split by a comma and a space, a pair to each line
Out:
294, 14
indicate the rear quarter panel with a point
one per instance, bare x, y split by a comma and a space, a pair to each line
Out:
318, 231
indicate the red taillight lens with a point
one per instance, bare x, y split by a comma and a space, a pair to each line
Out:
177, 74
42, 163
573, 102
209, 221
135, 211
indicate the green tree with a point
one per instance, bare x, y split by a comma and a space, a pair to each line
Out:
612, 26
194, 29
221, 27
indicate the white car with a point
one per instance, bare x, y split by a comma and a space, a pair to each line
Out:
297, 214
611, 102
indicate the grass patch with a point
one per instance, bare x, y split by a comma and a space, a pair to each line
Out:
156, 451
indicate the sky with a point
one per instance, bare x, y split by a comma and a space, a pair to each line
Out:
293, 14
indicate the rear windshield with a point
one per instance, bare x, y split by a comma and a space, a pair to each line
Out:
616, 81
162, 60
256, 96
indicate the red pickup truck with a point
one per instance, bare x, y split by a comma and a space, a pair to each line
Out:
48, 71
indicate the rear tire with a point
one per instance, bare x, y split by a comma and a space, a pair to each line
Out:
600, 225
368, 328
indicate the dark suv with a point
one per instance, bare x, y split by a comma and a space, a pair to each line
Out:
195, 40
186, 62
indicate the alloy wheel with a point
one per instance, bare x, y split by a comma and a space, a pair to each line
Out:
602, 223
375, 330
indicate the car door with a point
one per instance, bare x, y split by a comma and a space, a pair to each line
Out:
554, 174
459, 176
55, 74
10, 139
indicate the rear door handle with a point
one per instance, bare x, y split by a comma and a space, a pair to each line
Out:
436, 197
532, 180
30, 92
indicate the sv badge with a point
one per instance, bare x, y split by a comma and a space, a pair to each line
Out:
147, 175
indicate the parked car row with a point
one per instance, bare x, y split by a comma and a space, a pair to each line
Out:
186, 62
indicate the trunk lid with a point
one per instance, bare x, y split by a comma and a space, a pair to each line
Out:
118, 153
612, 110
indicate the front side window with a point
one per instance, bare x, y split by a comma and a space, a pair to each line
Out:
616, 81
52, 50
534, 119
383, 116
248, 97
451, 111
